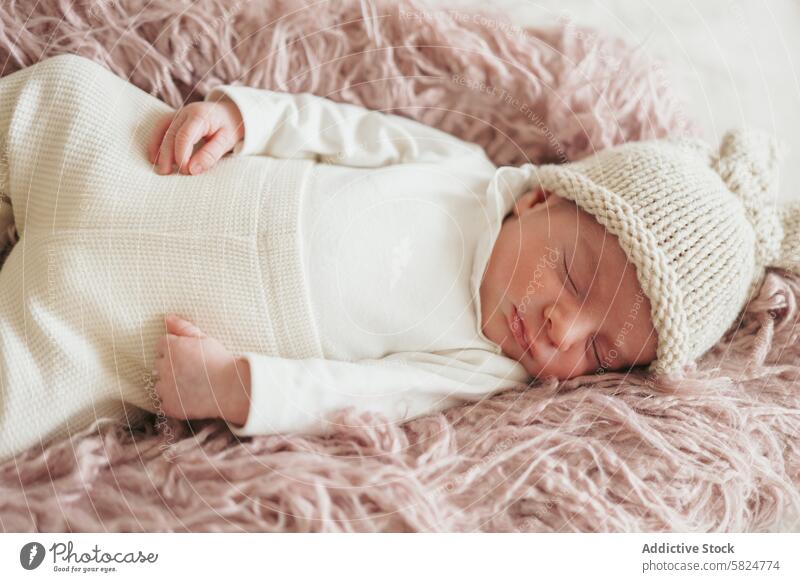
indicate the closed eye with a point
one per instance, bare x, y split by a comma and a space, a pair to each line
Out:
593, 341
566, 272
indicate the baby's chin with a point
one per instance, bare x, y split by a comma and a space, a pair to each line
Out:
534, 371
537, 374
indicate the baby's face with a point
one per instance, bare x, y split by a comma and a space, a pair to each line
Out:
559, 294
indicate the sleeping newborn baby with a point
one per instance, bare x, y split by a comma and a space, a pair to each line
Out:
269, 258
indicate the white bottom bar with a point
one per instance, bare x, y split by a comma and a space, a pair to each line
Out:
388, 557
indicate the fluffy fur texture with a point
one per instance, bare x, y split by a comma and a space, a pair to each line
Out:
716, 451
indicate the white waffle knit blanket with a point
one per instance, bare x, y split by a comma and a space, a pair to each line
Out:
107, 247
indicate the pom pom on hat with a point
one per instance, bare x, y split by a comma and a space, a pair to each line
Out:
748, 162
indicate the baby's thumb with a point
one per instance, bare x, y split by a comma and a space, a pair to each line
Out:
208, 155
179, 326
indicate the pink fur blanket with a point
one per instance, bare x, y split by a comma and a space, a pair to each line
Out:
716, 451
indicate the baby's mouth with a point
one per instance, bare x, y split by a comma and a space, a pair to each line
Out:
520, 333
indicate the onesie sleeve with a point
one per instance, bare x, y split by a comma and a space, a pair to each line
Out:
288, 395
304, 125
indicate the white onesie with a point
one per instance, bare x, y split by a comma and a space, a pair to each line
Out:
398, 220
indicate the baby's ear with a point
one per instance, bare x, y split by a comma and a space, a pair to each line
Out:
530, 200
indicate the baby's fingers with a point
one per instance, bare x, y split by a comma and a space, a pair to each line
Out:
157, 137
166, 152
188, 134
217, 146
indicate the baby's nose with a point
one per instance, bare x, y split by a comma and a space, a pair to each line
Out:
564, 331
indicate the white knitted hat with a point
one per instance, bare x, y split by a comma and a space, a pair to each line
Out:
699, 225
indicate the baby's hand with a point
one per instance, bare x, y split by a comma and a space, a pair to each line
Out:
177, 133
197, 377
